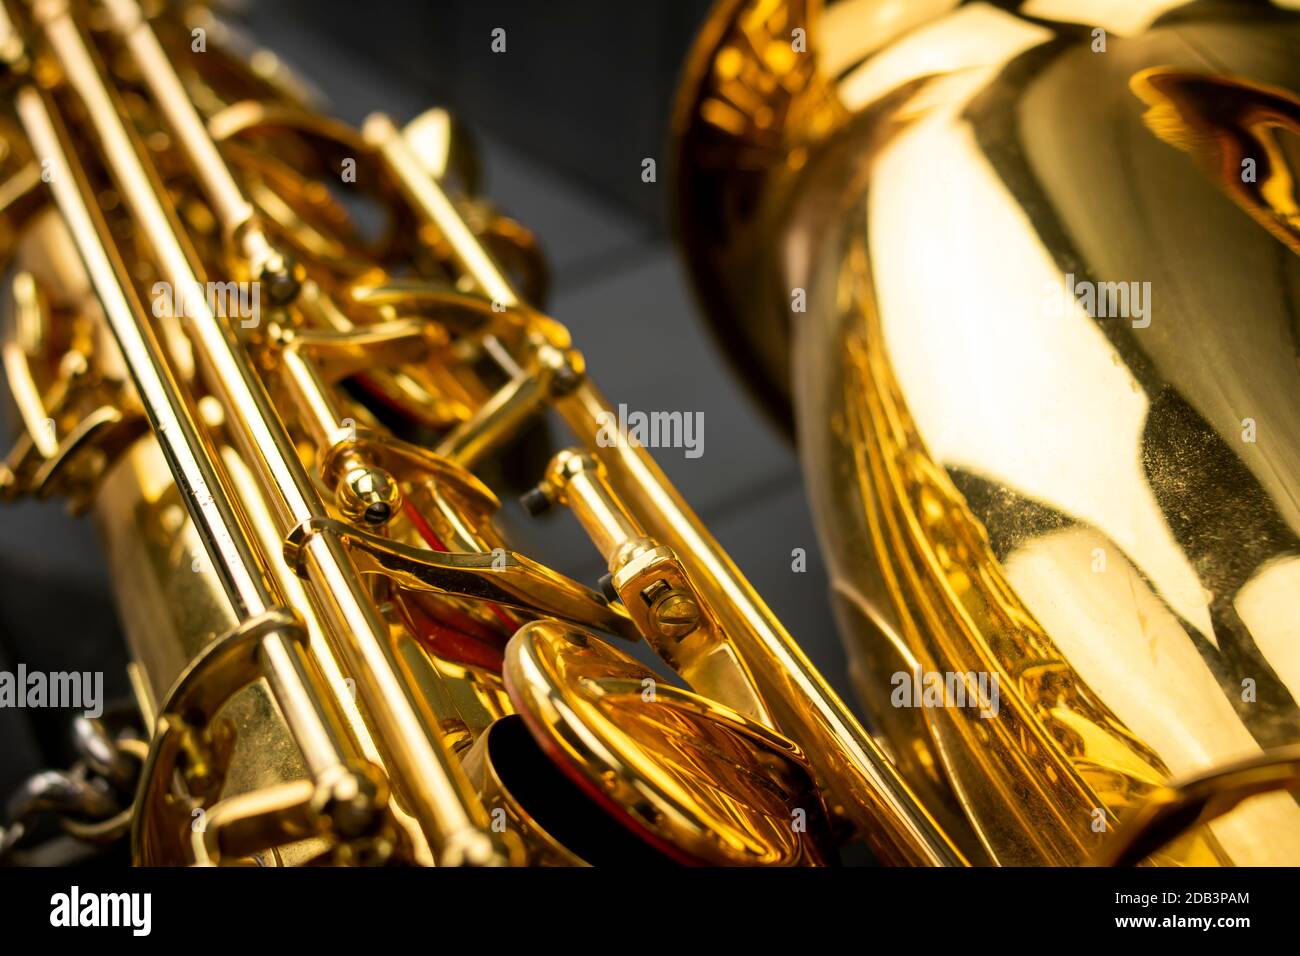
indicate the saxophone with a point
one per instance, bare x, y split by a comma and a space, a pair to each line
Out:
288, 432
293, 431
1029, 301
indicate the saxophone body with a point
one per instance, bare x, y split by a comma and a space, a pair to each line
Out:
292, 367
1026, 293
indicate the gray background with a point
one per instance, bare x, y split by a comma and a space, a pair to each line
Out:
564, 119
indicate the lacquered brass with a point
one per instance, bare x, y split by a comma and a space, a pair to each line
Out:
1023, 277
290, 435
670, 765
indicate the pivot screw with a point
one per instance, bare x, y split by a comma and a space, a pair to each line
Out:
674, 612
369, 495
535, 501
280, 279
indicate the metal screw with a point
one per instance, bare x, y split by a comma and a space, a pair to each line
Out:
536, 502
675, 614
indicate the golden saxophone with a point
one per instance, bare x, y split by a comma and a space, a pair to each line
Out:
1043, 365
338, 657
292, 432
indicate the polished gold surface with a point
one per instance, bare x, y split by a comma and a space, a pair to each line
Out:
1023, 276
291, 434
700, 782
1020, 276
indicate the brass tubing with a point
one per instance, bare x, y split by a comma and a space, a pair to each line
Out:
31, 405
307, 391
865, 785
232, 208
578, 480
204, 487
263, 526
438, 793
203, 490
502, 414
426, 196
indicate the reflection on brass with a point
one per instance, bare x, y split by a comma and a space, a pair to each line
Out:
1028, 300
1231, 128
1023, 277
699, 781
291, 431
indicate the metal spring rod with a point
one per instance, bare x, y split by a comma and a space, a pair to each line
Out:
232, 208
204, 487
863, 782
436, 789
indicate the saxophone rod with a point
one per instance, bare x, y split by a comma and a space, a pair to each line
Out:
241, 572
207, 495
865, 784
439, 795
236, 214
239, 221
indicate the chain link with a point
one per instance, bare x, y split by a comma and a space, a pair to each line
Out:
92, 801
